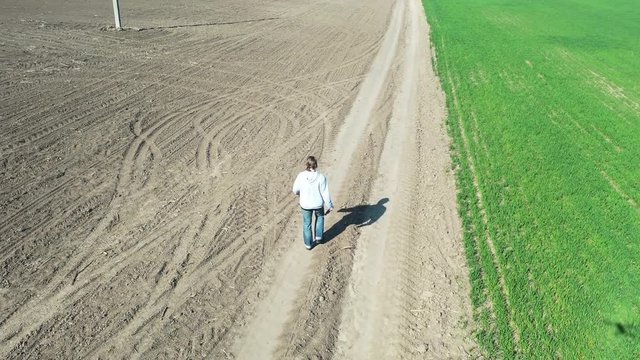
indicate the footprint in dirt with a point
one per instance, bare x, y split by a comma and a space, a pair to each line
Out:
360, 215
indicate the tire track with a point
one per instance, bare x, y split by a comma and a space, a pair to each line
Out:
363, 334
168, 302
15, 326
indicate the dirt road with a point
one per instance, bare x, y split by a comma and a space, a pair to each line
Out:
145, 204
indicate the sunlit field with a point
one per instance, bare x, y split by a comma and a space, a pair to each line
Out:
544, 112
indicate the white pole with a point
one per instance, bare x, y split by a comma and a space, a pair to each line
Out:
116, 13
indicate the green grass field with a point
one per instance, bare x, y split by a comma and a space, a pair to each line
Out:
544, 113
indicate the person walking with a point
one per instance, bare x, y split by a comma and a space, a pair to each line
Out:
313, 189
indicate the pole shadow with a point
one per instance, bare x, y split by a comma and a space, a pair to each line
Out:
359, 216
205, 24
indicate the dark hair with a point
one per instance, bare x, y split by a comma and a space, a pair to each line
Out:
312, 163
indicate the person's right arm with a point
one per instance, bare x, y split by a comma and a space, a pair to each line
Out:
296, 186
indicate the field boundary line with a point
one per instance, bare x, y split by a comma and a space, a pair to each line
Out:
515, 332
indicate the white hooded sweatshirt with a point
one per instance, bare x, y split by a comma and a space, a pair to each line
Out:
313, 189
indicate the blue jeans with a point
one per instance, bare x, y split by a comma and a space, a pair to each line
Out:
306, 226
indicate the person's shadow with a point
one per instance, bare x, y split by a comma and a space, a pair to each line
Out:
361, 215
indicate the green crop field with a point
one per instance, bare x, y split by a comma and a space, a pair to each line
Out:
544, 113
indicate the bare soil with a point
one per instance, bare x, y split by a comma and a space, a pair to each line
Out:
145, 205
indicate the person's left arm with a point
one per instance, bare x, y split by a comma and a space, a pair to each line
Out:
326, 196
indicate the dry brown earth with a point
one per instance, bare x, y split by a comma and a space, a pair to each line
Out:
145, 206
